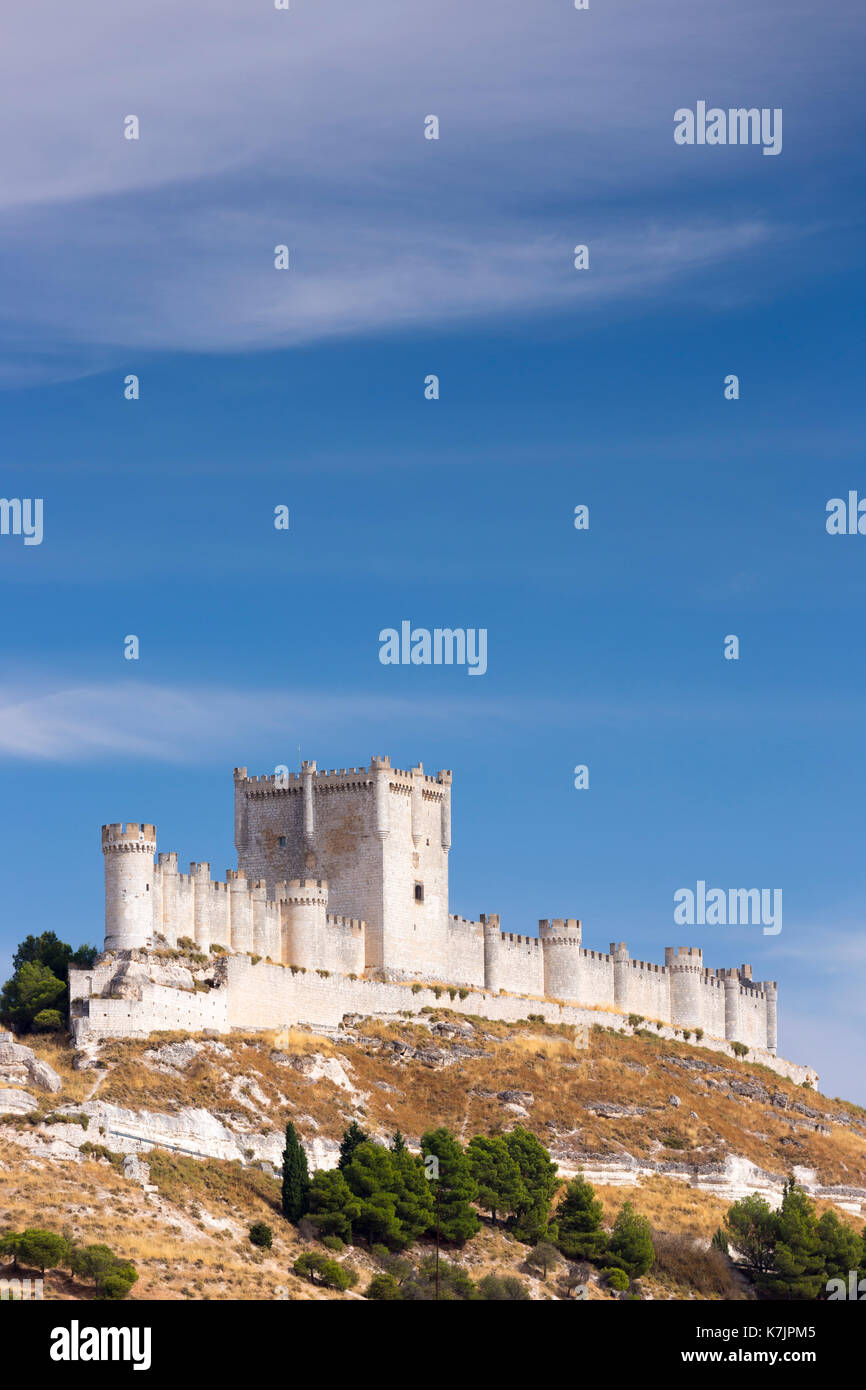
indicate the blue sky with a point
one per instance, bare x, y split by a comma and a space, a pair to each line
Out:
557, 387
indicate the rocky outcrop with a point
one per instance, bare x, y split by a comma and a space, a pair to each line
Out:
20, 1066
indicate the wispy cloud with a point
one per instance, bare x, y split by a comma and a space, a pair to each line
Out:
305, 127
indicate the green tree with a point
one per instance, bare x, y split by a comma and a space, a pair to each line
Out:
313, 1264
398, 1143
841, 1247
383, 1288
752, 1229
261, 1235
45, 1249
413, 1197
296, 1177
49, 950
538, 1173
118, 1284
630, 1246
353, 1136
543, 1257
333, 1205
98, 1263
33, 987
500, 1185
799, 1260
453, 1186
372, 1176
10, 1244
578, 1221
18, 1007
48, 1021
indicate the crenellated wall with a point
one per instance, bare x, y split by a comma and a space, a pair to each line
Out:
345, 873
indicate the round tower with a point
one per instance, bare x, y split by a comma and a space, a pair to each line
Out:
303, 913
685, 966
732, 1004
560, 945
619, 952
771, 990
129, 896
492, 953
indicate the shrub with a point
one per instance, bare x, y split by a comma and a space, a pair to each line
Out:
616, 1279
48, 1021
334, 1243
117, 1286
261, 1235
502, 1288
739, 1049
681, 1261
383, 1288
416, 988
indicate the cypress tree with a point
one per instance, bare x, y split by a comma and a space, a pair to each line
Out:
353, 1137
296, 1177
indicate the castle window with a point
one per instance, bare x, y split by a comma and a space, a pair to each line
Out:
419, 892
282, 842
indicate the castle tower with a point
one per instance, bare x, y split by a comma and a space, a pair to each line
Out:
619, 953
732, 1004
771, 990
685, 966
560, 945
303, 915
129, 891
200, 876
492, 951
167, 870
378, 836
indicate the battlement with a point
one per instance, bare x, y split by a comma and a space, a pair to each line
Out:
351, 924
131, 834
371, 844
400, 779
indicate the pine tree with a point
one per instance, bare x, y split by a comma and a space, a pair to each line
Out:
296, 1177
333, 1205
372, 1176
500, 1186
578, 1220
538, 1174
799, 1260
454, 1186
353, 1136
414, 1198
631, 1247
398, 1143
840, 1245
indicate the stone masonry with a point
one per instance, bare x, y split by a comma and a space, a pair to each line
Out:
345, 873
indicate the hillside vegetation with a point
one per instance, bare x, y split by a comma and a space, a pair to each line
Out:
670, 1127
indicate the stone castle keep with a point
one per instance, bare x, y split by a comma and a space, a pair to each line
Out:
339, 903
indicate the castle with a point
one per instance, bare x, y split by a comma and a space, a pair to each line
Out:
339, 901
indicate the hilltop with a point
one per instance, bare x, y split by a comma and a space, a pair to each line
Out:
679, 1130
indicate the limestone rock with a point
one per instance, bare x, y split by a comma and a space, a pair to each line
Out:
15, 1102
